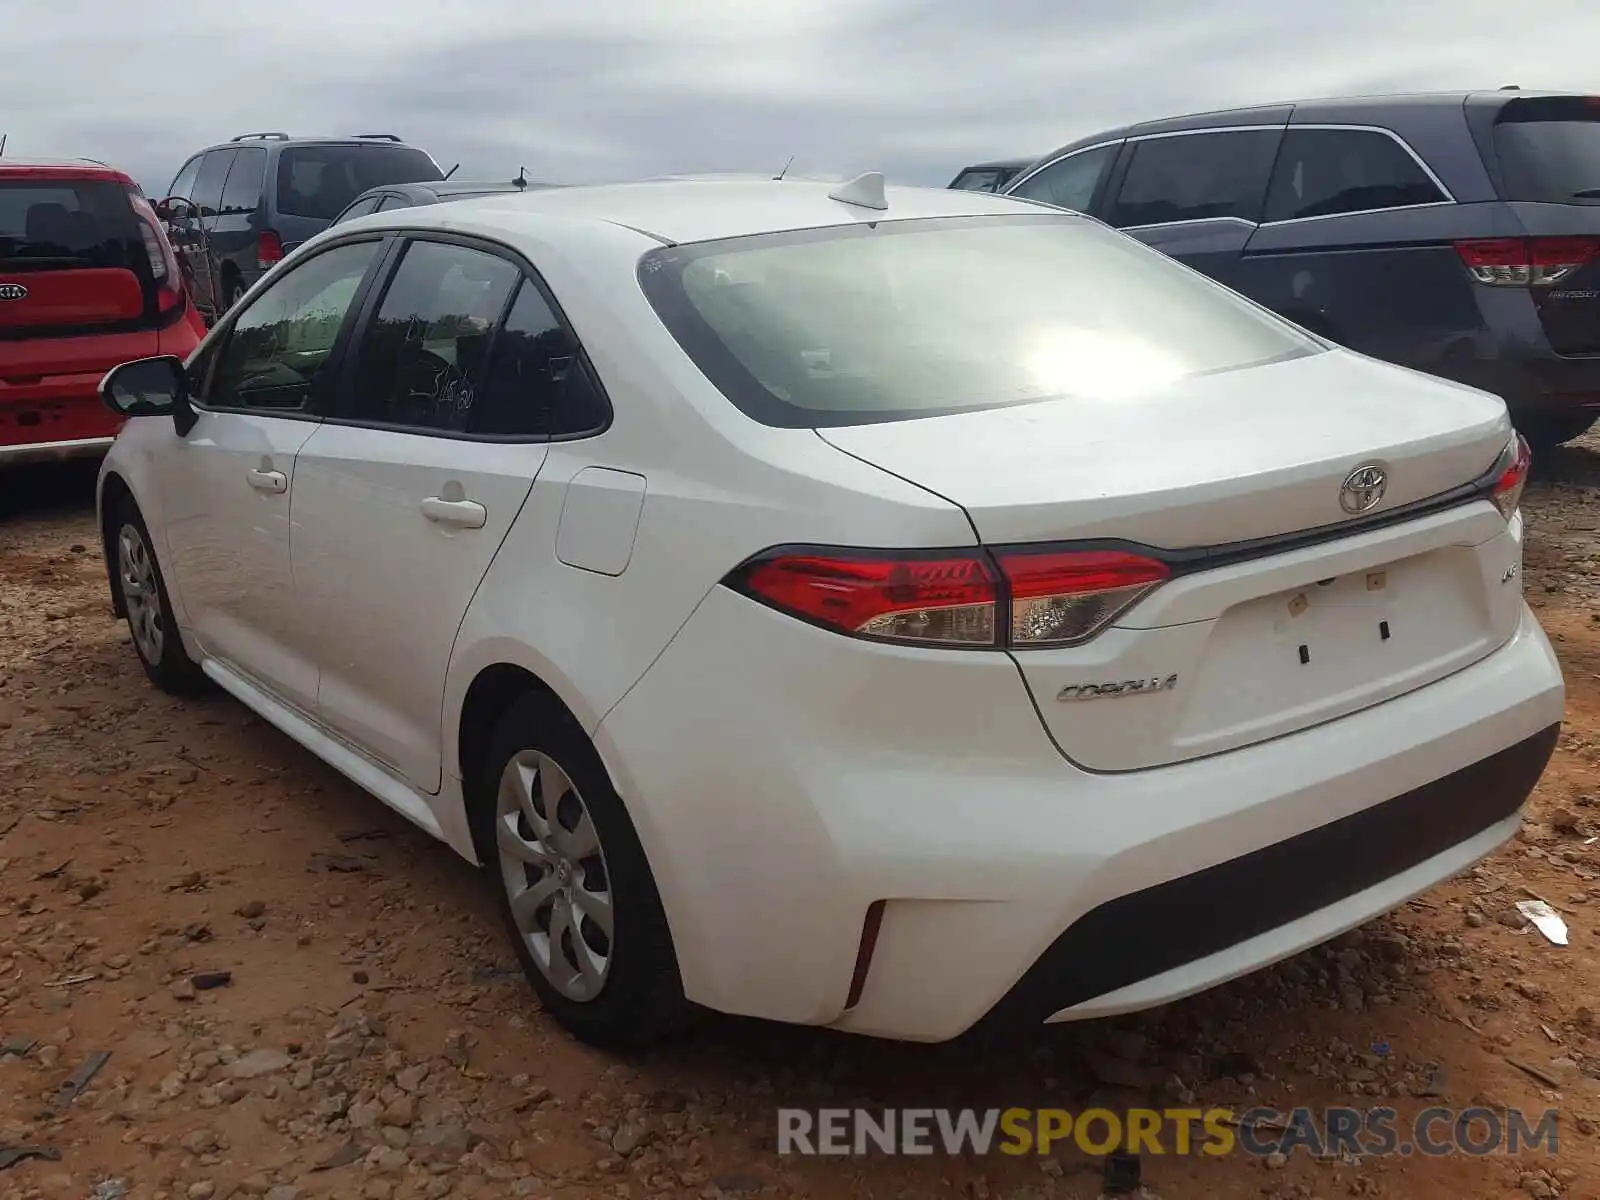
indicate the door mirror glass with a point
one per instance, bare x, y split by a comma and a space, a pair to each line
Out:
146, 387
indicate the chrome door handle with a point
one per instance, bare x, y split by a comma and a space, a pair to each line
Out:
268, 481
467, 514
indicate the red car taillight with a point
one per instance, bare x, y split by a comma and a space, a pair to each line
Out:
1019, 597
1507, 492
269, 249
164, 267
1526, 262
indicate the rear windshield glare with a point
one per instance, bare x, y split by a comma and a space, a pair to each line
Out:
862, 324
67, 224
321, 181
1549, 150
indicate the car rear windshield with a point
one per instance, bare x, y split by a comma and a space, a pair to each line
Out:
903, 319
319, 181
1549, 150
67, 224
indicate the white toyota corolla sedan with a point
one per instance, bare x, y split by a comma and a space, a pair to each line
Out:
899, 610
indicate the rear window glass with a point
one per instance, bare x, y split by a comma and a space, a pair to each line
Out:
319, 181
1549, 150
67, 223
860, 324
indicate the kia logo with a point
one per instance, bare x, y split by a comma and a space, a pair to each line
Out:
1363, 488
13, 291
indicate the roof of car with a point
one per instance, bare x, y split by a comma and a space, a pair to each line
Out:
78, 168
999, 164
696, 210
1342, 108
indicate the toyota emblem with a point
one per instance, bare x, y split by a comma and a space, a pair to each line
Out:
13, 291
1363, 488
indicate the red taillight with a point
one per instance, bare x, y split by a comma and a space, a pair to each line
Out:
1020, 597
269, 248
164, 267
948, 598
1526, 262
1507, 493
1061, 597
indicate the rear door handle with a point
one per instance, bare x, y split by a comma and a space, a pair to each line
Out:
467, 514
268, 481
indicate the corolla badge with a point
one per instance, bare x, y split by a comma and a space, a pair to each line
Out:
13, 291
1363, 488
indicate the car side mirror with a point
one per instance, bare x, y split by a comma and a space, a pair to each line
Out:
150, 387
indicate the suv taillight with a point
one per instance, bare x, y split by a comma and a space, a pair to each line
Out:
1526, 262
1513, 467
269, 248
1017, 597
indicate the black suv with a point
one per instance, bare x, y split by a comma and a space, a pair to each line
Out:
235, 209
1456, 234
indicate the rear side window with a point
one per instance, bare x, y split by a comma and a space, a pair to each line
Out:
319, 181
1070, 183
1324, 172
68, 224
363, 208
243, 190
1196, 177
537, 385
851, 325
1549, 150
208, 184
421, 363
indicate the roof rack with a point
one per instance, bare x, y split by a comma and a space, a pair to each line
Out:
381, 137
262, 137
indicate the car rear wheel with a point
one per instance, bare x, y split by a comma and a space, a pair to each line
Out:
1547, 432
573, 885
143, 592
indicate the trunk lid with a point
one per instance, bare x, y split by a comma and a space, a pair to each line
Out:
1224, 458
72, 258
1265, 642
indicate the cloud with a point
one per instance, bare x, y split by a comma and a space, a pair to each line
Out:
608, 89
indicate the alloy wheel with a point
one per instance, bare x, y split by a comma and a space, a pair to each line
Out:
555, 875
141, 594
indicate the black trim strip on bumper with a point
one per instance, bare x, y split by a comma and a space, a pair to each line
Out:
1140, 935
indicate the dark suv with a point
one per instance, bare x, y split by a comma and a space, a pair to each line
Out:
1456, 234
235, 209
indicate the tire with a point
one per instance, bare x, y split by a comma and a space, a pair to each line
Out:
632, 994
1548, 432
143, 592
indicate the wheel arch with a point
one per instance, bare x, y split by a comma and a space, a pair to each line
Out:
113, 492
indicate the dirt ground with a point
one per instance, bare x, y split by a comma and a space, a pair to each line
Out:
373, 1039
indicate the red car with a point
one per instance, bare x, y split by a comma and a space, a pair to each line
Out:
87, 280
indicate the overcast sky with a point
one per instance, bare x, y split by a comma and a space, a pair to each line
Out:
606, 89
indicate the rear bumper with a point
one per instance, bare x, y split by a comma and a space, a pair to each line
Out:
46, 452
784, 781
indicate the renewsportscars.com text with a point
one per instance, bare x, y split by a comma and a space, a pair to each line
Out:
1364, 1132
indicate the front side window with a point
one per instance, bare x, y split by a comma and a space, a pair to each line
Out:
1324, 172
1071, 182
858, 324
277, 348
977, 181
1196, 177
420, 365
183, 185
